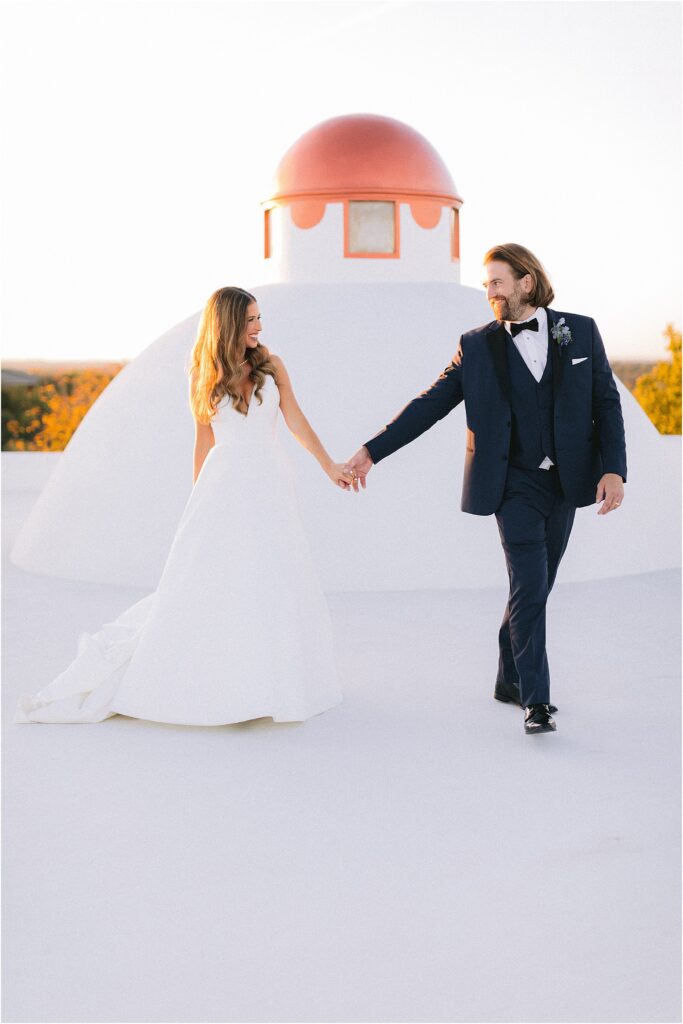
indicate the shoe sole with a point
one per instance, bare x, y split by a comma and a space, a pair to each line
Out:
539, 729
509, 700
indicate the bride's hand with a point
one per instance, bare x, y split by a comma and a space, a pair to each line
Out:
340, 474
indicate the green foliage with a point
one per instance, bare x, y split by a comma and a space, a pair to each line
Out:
659, 392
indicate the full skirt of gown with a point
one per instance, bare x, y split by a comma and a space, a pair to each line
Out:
238, 627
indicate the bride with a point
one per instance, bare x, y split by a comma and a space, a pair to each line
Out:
238, 627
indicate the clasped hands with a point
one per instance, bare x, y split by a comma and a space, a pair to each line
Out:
350, 474
356, 469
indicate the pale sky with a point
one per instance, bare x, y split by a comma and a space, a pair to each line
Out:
139, 139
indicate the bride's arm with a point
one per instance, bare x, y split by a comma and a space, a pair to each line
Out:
302, 429
203, 441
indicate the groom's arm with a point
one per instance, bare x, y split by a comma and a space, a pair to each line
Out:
608, 421
420, 414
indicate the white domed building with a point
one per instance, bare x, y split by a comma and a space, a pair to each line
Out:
360, 295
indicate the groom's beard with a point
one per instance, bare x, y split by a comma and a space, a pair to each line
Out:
509, 309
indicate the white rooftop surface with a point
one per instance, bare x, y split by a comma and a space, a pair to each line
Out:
408, 856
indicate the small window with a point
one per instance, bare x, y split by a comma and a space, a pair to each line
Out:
371, 228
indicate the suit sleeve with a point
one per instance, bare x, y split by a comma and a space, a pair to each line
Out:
422, 413
608, 420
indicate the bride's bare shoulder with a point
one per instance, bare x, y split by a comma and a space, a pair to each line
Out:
281, 375
278, 363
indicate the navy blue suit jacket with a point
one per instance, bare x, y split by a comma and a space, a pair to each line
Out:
589, 426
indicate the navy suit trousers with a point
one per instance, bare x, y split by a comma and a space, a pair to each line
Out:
534, 522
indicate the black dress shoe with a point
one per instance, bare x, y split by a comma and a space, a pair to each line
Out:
508, 695
537, 719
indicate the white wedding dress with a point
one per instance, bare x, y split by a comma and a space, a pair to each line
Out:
238, 627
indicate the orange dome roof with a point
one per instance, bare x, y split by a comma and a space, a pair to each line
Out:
363, 154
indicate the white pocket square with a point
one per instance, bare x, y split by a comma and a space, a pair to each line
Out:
581, 360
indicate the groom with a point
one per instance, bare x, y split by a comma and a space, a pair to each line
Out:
545, 436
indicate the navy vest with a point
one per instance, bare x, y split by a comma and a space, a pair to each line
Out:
533, 410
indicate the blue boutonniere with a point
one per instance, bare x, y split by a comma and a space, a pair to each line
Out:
561, 333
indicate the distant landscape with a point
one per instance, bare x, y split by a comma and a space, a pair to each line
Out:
628, 372
53, 368
44, 401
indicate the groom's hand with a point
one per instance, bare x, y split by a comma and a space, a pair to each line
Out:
610, 492
360, 465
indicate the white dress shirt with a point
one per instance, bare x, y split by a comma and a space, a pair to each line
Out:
533, 348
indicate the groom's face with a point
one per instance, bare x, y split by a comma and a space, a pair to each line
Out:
507, 294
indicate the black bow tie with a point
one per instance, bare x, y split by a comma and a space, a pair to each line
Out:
528, 325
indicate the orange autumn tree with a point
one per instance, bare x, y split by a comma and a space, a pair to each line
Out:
659, 391
23, 425
67, 400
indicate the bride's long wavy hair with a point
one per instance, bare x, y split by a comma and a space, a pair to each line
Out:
220, 347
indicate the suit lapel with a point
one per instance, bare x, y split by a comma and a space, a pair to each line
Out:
495, 337
555, 353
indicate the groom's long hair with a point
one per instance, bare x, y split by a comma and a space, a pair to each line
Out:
218, 351
524, 262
